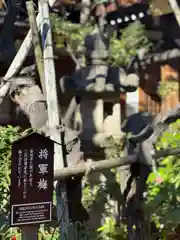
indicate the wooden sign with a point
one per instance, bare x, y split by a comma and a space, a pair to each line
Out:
31, 180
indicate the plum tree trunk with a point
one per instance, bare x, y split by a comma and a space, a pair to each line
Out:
31, 102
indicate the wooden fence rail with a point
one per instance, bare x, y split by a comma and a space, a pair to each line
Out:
98, 166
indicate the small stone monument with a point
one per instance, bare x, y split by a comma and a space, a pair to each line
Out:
98, 83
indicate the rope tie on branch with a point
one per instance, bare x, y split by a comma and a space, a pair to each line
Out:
59, 129
90, 166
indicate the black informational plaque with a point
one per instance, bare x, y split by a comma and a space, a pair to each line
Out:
31, 180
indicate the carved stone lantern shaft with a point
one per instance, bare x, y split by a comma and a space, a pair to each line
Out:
97, 83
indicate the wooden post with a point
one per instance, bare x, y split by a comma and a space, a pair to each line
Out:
30, 232
36, 42
53, 113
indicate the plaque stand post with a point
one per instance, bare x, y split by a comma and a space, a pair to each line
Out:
30, 232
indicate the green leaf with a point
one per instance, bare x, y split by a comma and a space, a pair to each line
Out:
2, 144
163, 200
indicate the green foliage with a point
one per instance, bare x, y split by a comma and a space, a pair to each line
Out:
163, 199
133, 38
70, 36
166, 88
89, 195
49, 232
110, 230
113, 146
12, 232
121, 50
8, 135
98, 198
69, 33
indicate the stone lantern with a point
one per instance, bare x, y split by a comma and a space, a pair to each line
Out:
98, 83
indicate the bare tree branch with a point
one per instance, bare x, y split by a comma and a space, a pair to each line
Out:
98, 166
167, 152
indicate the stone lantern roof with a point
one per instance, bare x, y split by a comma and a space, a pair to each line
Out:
98, 73
96, 47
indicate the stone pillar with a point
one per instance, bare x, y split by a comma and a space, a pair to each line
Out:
92, 115
98, 115
117, 117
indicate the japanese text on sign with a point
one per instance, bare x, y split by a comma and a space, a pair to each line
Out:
31, 167
25, 174
19, 167
43, 169
43, 153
